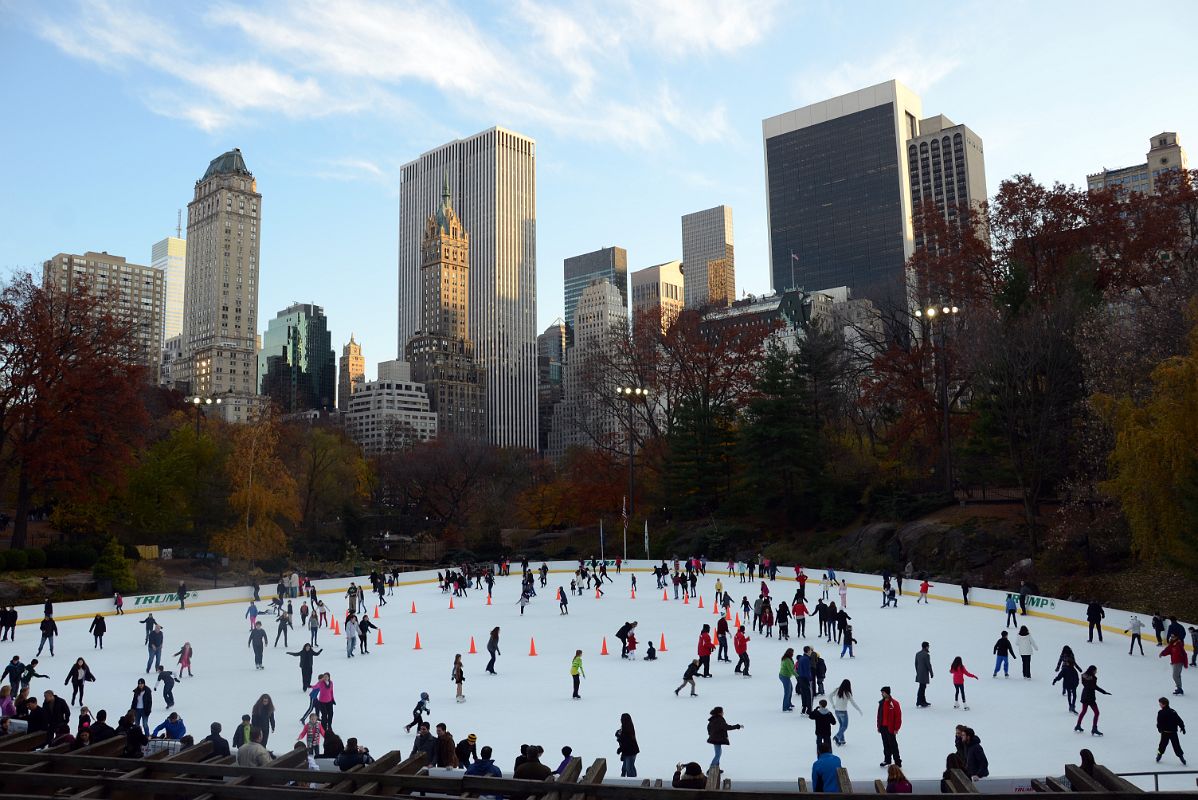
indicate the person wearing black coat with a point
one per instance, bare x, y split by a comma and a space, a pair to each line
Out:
1067, 674
149, 622
976, 764
142, 705
1168, 723
823, 725
305, 655
425, 743
78, 677
622, 635
220, 745
1002, 655
364, 626
1094, 616
100, 729
717, 733
627, 747
98, 628
49, 631
262, 716
58, 714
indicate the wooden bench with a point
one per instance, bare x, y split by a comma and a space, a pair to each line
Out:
960, 782
1080, 781
842, 777
1112, 782
592, 777
803, 787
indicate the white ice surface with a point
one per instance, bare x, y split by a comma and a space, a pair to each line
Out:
1024, 725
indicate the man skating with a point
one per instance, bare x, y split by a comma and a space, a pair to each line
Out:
1168, 723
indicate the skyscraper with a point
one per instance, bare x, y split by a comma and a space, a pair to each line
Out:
135, 290
607, 262
707, 238
220, 303
442, 355
584, 417
838, 193
296, 363
658, 290
947, 168
551, 355
1165, 154
352, 373
170, 256
492, 175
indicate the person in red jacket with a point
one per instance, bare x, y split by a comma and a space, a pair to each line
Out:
923, 593
1176, 651
890, 719
799, 612
706, 648
740, 643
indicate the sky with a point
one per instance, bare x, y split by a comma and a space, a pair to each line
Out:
642, 112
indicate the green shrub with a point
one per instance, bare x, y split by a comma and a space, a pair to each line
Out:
36, 557
114, 567
149, 576
18, 560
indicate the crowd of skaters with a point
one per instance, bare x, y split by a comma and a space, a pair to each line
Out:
805, 673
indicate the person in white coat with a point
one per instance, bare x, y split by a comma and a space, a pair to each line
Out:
842, 698
1026, 645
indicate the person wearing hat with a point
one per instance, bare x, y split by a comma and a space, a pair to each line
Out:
689, 776
466, 751
890, 719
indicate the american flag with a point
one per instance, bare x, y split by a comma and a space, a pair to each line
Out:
624, 511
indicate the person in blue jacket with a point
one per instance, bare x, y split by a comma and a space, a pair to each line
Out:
803, 671
823, 770
484, 765
173, 727
1012, 606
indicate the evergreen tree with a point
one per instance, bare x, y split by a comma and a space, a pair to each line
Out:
113, 566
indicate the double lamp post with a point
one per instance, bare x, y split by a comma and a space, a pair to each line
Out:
937, 317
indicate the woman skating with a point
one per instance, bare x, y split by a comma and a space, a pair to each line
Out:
305, 656
458, 676
142, 705
1067, 674
717, 733
1090, 699
79, 675
786, 674
98, 628
325, 700
688, 676
184, 660
351, 635
313, 628
842, 698
959, 673
493, 649
262, 716
1026, 645
627, 747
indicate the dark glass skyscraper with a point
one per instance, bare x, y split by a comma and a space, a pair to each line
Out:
297, 365
838, 194
579, 271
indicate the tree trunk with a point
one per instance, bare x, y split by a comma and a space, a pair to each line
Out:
20, 525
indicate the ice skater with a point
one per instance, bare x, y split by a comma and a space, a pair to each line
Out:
959, 674
458, 676
1134, 627
688, 677
98, 628
257, 642
493, 649
1002, 655
576, 673
842, 698
305, 656
1012, 605
740, 643
1067, 674
184, 659
154, 648
418, 712
350, 629
890, 719
49, 630
1090, 688
167, 679
1168, 723
1026, 645
78, 677
717, 733
923, 592
1178, 660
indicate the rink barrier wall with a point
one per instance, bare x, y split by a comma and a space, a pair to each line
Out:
993, 599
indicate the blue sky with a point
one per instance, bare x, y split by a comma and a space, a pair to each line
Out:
642, 111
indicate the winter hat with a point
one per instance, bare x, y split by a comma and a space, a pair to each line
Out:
472, 738
693, 768
424, 695
886, 689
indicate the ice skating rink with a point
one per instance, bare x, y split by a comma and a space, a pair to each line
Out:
1024, 725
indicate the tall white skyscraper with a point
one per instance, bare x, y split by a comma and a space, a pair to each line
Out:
492, 178
220, 304
170, 256
707, 258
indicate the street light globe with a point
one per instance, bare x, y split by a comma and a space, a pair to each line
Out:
217, 401
946, 310
931, 312
955, 309
196, 400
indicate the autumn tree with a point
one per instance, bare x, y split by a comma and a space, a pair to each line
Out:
264, 495
71, 408
330, 474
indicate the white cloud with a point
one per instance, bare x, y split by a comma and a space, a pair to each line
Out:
576, 69
918, 67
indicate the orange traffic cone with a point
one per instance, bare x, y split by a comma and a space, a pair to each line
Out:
715, 609
686, 599
451, 604
663, 595
417, 647
336, 627
662, 647
559, 595
376, 612
700, 601
728, 614
488, 599
596, 592
634, 594
472, 648
380, 639
603, 652
532, 646
737, 623
413, 606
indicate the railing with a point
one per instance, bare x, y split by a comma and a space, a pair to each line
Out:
1156, 775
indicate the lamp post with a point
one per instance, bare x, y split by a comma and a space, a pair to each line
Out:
631, 394
199, 403
942, 313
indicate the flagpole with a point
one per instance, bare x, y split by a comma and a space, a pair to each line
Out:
646, 539
601, 538
625, 510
